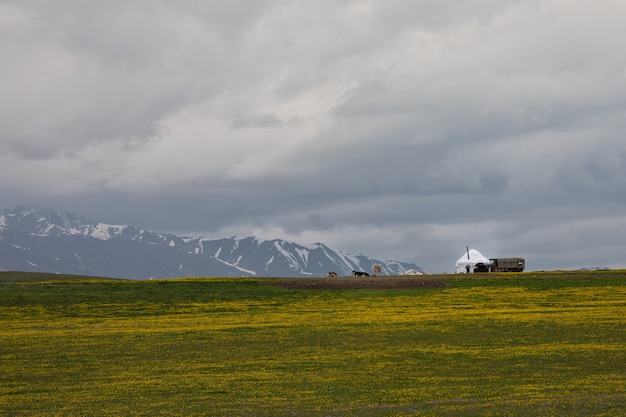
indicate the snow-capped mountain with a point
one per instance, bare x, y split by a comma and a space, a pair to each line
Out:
53, 241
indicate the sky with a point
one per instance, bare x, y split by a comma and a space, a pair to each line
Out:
402, 130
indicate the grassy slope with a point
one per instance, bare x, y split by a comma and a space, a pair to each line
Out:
511, 344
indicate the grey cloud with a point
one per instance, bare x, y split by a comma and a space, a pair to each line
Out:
93, 74
421, 127
262, 121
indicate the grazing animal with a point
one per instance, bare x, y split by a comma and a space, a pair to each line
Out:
360, 274
332, 274
377, 268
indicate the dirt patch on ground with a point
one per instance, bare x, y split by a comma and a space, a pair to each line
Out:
403, 282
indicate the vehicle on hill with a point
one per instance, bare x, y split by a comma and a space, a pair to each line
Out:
507, 264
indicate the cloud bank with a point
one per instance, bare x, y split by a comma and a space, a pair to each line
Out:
404, 130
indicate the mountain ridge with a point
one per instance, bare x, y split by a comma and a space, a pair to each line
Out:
48, 240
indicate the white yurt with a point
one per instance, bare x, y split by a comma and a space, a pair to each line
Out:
467, 263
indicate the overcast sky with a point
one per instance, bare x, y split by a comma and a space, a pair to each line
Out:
403, 130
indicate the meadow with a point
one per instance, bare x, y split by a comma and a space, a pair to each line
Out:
529, 344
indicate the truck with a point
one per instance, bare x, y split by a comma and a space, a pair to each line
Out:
507, 264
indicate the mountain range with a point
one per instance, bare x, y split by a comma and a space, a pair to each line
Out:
36, 240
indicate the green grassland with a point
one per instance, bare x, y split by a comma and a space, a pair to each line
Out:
530, 344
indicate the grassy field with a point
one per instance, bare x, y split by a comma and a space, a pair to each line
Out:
531, 344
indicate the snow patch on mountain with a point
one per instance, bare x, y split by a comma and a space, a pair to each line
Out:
101, 231
304, 255
247, 271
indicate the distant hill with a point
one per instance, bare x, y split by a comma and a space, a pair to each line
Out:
60, 242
